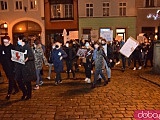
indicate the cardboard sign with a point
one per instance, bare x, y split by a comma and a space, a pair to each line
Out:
108, 35
73, 35
129, 47
82, 52
17, 56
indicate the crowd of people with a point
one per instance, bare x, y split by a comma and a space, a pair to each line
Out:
99, 56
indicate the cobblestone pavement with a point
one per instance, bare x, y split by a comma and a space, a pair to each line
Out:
74, 100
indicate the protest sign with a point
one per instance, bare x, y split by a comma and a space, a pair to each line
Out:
82, 52
108, 35
73, 35
17, 56
129, 47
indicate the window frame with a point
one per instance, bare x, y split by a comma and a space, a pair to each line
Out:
29, 5
62, 15
123, 8
3, 10
106, 7
18, 4
151, 3
89, 8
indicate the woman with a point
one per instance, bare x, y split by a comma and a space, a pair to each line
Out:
98, 55
8, 66
39, 58
25, 73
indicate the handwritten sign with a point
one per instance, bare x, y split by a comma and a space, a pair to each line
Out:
73, 35
129, 47
108, 35
17, 56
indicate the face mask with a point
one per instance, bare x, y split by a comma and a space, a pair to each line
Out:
57, 46
67, 45
87, 44
53, 46
5, 41
19, 43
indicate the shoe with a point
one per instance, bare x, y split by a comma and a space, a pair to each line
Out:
109, 79
91, 71
89, 80
48, 78
60, 81
140, 67
134, 68
7, 97
105, 83
36, 88
23, 97
41, 83
28, 97
15, 92
56, 83
118, 63
86, 80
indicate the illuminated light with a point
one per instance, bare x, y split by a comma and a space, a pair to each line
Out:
156, 37
35, 2
20, 28
5, 25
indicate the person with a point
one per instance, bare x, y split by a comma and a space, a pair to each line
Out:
137, 57
39, 58
8, 66
71, 55
57, 56
87, 62
122, 56
25, 73
98, 55
108, 50
50, 61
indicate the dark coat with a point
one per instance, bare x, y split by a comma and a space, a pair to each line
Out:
25, 72
71, 53
58, 64
7, 63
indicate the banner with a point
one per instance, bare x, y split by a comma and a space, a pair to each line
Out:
17, 56
73, 35
129, 47
108, 35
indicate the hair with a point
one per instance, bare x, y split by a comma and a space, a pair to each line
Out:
6, 37
22, 37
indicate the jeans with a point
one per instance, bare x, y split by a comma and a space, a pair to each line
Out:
39, 78
50, 69
96, 75
88, 69
108, 69
58, 77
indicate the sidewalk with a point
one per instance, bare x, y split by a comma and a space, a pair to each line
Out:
150, 76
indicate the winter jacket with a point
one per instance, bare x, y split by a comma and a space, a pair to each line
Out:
58, 64
25, 71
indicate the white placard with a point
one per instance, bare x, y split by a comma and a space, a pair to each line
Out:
108, 35
94, 35
17, 56
73, 35
129, 47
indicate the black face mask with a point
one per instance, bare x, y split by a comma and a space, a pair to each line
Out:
56, 46
103, 44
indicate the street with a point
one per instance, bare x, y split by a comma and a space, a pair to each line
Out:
75, 100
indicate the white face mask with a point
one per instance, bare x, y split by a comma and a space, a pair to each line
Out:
87, 44
53, 46
67, 45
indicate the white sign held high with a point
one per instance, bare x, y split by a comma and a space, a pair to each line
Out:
129, 47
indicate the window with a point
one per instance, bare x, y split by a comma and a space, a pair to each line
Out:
62, 11
87, 31
18, 5
122, 9
4, 5
89, 10
149, 3
33, 4
106, 9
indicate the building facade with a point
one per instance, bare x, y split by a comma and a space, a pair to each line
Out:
116, 15
148, 18
22, 17
60, 15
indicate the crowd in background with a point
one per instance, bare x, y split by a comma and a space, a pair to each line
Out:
100, 56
